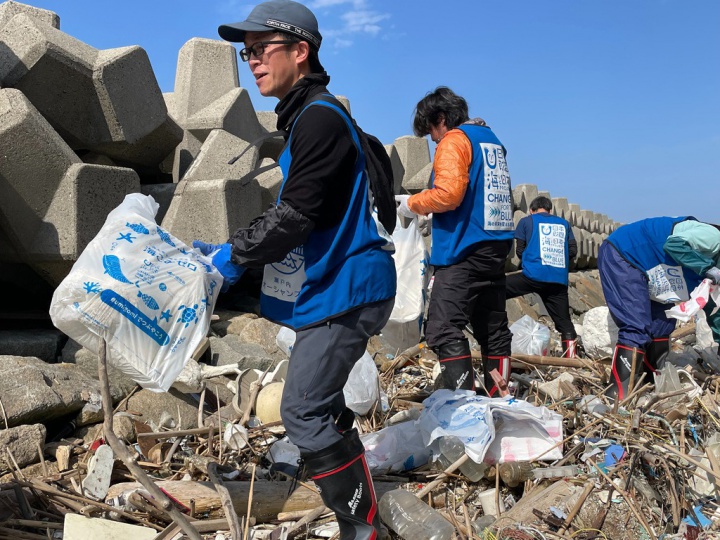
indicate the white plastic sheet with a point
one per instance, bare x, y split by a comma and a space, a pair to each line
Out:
529, 336
141, 289
494, 430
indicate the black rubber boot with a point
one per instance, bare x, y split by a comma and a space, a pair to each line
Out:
343, 478
627, 364
502, 364
569, 346
656, 352
456, 366
344, 421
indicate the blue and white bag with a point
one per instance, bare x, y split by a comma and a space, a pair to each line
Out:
145, 292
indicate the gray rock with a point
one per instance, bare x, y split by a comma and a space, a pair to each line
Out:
232, 351
34, 391
518, 307
22, 442
87, 362
261, 332
43, 344
169, 409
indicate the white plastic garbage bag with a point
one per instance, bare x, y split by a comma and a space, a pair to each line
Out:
494, 430
529, 336
361, 390
412, 267
141, 289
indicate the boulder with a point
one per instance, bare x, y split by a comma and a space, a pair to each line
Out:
43, 344
33, 391
599, 333
23, 443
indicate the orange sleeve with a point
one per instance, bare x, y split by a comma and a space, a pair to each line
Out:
451, 166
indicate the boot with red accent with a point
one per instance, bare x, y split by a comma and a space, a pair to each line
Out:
343, 478
655, 353
502, 364
569, 346
627, 364
456, 366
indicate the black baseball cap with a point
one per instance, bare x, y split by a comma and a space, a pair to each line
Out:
282, 15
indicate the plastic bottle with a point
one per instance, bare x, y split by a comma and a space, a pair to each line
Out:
412, 519
515, 472
556, 472
452, 449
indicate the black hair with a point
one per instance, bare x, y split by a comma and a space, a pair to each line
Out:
540, 202
441, 102
313, 56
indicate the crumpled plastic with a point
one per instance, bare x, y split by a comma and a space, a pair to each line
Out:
396, 448
529, 336
684, 311
494, 430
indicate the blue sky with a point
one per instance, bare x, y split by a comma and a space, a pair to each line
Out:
614, 104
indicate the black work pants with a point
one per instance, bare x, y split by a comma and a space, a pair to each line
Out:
471, 291
553, 295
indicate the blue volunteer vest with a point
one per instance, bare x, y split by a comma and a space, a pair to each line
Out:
546, 255
345, 267
486, 211
641, 244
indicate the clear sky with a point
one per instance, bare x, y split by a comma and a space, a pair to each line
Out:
614, 104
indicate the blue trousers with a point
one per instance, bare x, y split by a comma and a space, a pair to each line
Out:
320, 363
625, 287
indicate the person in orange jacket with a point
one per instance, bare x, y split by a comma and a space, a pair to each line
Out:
472, 234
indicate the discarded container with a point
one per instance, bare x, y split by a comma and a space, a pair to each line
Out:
236, 436
489, 503
453, 449
556, 472
412, 519
515, 472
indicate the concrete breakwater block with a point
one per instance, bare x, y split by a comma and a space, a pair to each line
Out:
92, 98
414, 154
52, 204
9, 9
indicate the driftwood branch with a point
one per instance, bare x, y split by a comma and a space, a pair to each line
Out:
130, 461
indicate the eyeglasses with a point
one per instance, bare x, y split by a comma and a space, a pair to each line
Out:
258, 48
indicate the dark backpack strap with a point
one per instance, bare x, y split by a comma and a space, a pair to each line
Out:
258, 142
378, 167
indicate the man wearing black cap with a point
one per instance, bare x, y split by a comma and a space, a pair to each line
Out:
328, 268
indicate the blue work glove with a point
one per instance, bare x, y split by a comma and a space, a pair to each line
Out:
221, 259
713, 275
